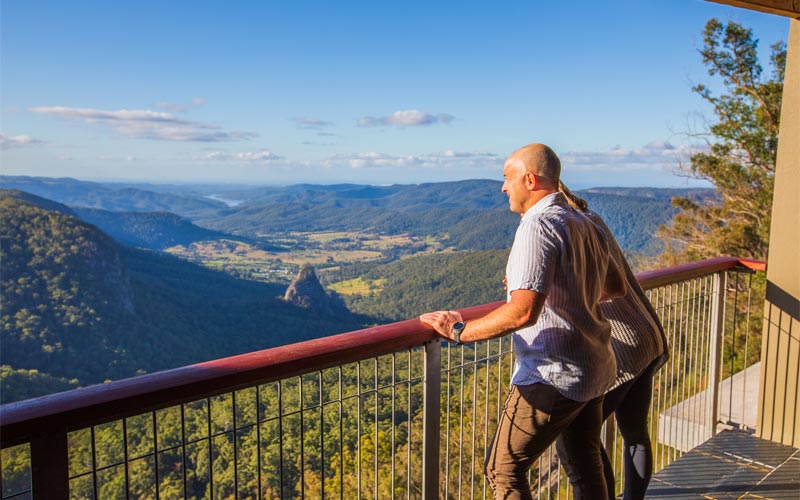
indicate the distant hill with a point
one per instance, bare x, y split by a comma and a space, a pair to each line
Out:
153, 230
476, 193
78, 308
470, 214
78, 193
37, 201
655, 193
473, 215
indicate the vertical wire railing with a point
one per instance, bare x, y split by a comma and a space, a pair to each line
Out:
713, 326
414, 423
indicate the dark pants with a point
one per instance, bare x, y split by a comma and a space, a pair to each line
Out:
630, 403
533, 416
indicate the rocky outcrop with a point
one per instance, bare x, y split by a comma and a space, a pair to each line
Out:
306, 291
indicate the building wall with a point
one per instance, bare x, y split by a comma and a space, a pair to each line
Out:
779, 408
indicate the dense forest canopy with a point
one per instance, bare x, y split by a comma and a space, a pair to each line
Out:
78, 308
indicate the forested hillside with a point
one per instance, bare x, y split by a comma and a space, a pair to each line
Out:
421, 283
153, 230
73, 192
78, 308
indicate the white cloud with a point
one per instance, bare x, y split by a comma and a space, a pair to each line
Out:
444, 159
407, 118
652, 156
17, 141
146, 124
242, 156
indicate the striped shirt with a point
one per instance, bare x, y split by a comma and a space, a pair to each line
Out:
560, 253
637, 336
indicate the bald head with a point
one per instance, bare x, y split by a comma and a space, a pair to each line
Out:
539, 160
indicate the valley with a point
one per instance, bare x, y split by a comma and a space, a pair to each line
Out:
106, 281
324, 250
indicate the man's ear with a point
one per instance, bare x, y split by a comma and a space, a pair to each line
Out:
530, 181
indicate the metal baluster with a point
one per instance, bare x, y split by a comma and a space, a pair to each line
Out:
375, 428
667, 450
321, 435
280, 435
302, 438
258, 441
155, 450
235, 449
50, 466
449, 349
486, 410
431, 424
125, 457
474, 419
714, 355
210, 448
183, 448
461, 421
746, 348
358, 432
408, 423
697, 332
394, 434
732, 352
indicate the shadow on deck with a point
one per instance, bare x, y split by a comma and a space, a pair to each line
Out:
732, 464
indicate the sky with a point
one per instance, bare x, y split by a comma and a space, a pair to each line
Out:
381, 92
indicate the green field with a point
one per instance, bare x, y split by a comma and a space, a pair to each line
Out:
323, 250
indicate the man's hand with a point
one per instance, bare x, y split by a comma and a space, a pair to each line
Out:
442, 321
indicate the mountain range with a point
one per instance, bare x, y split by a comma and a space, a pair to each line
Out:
88, 295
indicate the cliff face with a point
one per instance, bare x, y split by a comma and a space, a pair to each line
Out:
306, 291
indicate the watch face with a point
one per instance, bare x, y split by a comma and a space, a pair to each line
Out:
458, 326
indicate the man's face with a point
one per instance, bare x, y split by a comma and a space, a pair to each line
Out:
515, 185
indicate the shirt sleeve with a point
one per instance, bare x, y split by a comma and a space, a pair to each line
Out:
533, 258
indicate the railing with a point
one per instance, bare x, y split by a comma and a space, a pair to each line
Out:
385, 412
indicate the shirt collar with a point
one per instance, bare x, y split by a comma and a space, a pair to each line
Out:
545, 203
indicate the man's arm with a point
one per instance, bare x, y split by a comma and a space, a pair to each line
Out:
522, 310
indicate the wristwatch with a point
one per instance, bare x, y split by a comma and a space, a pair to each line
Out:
456, 329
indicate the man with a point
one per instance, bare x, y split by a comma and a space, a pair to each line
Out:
557, 271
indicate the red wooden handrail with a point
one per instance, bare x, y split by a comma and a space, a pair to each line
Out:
683, 272
80, 408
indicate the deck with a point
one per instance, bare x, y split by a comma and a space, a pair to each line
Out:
732, 464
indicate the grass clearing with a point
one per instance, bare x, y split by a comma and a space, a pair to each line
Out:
358, 286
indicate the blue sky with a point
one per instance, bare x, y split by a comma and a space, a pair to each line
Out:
271, 92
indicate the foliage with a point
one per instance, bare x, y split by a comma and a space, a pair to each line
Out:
742, 148
153, 230
76, 305
25, 384
414, 285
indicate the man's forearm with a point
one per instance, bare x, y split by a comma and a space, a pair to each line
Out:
523, 310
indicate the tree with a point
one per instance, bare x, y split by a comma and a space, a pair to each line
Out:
740, 158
